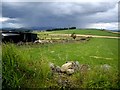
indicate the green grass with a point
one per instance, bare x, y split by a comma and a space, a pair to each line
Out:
33, 61
19, 70
76, 51
46, 34
86, 32
0, 66
11, 75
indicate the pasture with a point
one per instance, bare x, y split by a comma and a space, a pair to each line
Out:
27, 66
88, 32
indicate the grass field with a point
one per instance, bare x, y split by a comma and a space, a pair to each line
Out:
28, 65
75, 51
85, 32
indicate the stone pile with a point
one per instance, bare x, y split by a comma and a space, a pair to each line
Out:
69, 67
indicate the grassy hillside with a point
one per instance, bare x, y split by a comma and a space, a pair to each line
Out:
31, 63
87, 32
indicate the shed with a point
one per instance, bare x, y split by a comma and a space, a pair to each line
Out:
17, 36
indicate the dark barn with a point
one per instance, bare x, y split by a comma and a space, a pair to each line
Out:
17, 36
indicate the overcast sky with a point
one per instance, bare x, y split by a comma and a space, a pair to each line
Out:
98, 14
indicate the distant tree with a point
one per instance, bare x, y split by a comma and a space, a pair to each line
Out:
72, 28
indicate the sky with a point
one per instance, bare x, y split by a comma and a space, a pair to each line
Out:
101, 14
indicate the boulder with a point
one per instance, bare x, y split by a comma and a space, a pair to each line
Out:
76, 66
54, 68
70, 67
70, 71
105, 67
66, 66
57, 69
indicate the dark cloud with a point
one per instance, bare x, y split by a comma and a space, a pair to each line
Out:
55, 14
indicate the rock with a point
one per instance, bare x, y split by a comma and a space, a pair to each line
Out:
105, 67
51, 65
70, 67
76, 66
38, 41
50, 41
57, 69
66, 66
54, 68
70, 71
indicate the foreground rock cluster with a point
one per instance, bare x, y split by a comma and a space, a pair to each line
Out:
69, 68
72, 72
72, 67
63, 75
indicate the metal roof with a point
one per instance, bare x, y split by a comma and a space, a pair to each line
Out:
9, 34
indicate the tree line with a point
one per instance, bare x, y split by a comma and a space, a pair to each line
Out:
56, 29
